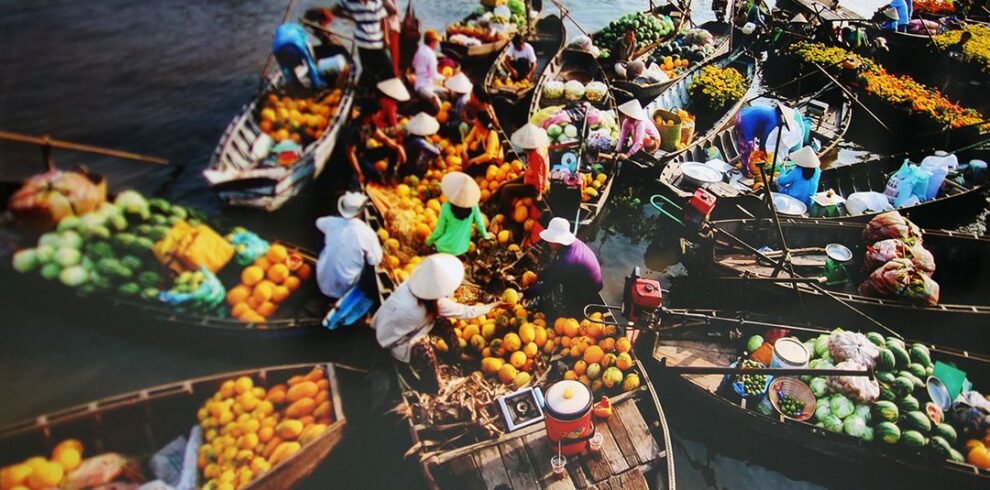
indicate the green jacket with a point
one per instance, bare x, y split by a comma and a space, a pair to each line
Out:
452, 235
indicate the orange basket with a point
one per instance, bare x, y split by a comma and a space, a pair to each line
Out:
796, 389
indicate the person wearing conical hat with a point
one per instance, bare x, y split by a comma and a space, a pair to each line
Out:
458, 216
573, 266
460, 89
636, 128
407, 316
369, 143
801, 181
757, 127
420, 153
391, 92
349, 245
533, 140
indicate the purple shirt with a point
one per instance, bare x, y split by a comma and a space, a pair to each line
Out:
637, 130
576, 266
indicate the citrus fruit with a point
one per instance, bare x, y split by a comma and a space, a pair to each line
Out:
252, 275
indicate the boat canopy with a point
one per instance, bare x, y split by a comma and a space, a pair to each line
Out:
291, 48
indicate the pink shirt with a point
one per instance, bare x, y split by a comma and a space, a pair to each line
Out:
424, 63
638, 130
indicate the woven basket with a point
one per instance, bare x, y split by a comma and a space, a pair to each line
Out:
795, 388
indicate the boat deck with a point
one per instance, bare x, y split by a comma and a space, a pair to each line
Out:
828, 13
522, 458
696, 354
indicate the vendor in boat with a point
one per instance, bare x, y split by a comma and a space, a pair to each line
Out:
897, 15
390, 93
801, 180
291, 49
584, 43
521, 61
536, 180
371, 36
349, 245
408, 315
623, 51
420, 153
458, 216
482, 145
638, 131
424, 65
460, 88
956, 49
573, 266
370, 141
755, 130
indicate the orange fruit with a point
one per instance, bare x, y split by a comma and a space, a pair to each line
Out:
517, 359
527, 332
593, 354
623, 345
607, 344
280, 293
263, 263
594, 330
571, 327
623, 361
303, 272
580, 367
266, 309
262, 292
277, 253
239, 309
531, 350
252, 275
511, 342
238, 294
292, 283
278, 273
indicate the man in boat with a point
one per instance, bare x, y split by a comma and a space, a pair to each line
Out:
371, 140
420, 153
956, 49
371, 36
536, 180
801, 180
291, 49
349, 246
424, 65
623, 51
573, 266
521, 61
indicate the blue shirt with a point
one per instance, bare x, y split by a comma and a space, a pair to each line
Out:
758, 121
793, 183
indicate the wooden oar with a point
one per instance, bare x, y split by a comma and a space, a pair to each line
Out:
852, 97
47, 143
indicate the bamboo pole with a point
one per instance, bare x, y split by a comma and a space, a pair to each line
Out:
47, 143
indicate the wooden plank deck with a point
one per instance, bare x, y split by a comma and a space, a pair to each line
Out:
696, 354
628, 451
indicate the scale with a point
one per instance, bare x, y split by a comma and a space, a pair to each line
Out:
521, 408
835, 266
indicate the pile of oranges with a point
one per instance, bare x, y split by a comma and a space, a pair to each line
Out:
512, 85
497, 175
38, 472
248, 430
266, 284
592, 185
597, 355
298, 119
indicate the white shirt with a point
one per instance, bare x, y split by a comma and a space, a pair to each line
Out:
401, 321
349, 244
526, 52
425, 65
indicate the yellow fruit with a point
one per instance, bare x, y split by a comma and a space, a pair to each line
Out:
303, 389
252, 275
289, 429
511, 342
491, 365
477, 342
504, 236
521, 380
68, 457
518, 359
571, 327
631, 382
278, 273
488, 330
530, 350
511, 297
312, 432
570, 375
580, 367
243, 384
539, 336
623, 345
507, 373
301, 408
14, 476
520, 214
593, 354
277, 254
283, 451
528, 278
470, 331
45, 475
623, 361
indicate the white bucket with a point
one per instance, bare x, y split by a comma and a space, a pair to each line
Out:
789, 352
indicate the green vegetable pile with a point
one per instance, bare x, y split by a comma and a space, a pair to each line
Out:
753, 384
649, 29
790, 406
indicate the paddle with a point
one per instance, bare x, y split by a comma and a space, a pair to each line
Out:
852, 97
47, 143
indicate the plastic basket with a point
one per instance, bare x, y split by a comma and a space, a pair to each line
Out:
670, 136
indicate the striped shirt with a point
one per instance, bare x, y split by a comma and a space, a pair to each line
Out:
367, 18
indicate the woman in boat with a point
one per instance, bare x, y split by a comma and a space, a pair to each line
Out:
349, 245
623, 51
407, 316
460, 88
801, 180
753, 129
536, 180
636, 128
458, 216
521, 61
363, 155
420, 153
482, 145
424, 65
390, 93
573, 266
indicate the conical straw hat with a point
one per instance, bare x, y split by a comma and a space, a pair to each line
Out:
438, 276
460, 189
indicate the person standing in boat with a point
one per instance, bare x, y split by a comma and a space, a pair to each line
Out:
482, 145
349, 246
460, 88
394, 27
371, 36
636, 128
536, 180
459, 216
404, 320
420, 153
424, 65
573, 266
801, 180
623, 51
521, 61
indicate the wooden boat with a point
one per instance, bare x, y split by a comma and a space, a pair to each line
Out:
677, 96
139, 424
241, 180
479, 52
960, 316
798, 449
549, 40
636, 446
645, 92
829, 123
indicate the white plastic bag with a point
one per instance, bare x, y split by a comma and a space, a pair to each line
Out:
859, 388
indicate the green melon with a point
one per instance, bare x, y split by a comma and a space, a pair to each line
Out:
947, 432
913, 438
909, 403
886, 411
886, 360
940, 446
886, 377
919, 353
903, 386
917, 369
900, 355
887, 432
918, 421
877, 339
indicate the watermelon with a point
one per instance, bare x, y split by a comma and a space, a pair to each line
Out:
886, 377
917, 421
908, 403
877, 339
886, 360
902, 386
916, 381
900, 355
895, 341
886, 411
917, 369
946, 432
887, 392
939, 446
956, 456
887, 432
913, 438
919, 353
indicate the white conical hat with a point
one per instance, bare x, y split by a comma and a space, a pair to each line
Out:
558, 231
530, 137
422, 124
805, 157
438, 276
349, 205
799, 19
633, 109
459, 83
460, 189
394, 88
788, 115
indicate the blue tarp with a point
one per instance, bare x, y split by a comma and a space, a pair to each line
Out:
291, 47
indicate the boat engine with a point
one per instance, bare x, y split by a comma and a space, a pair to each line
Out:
642, 299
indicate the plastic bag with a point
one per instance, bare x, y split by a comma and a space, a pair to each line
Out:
853, 346
884, 251
891, 225
899, 279
901, 184
867, 202
859, 388
971, 413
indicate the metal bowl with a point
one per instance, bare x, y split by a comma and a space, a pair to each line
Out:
838, 252
699, 174
788, 205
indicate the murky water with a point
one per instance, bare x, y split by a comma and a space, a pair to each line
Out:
164, 78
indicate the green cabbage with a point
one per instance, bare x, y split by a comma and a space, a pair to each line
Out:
854, 425
821, 345
833, 423
841, 406
73, 276
822, 411
25, 260
863, 411
818, 386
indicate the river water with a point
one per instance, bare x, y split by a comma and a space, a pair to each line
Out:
164, 78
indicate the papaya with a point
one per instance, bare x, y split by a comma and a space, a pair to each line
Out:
305, 389
270, 446
323, 384
283, 452
316, 375
289, 429
300, 408
276, 394
311, 433
296, 380
307, 420
321, 410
